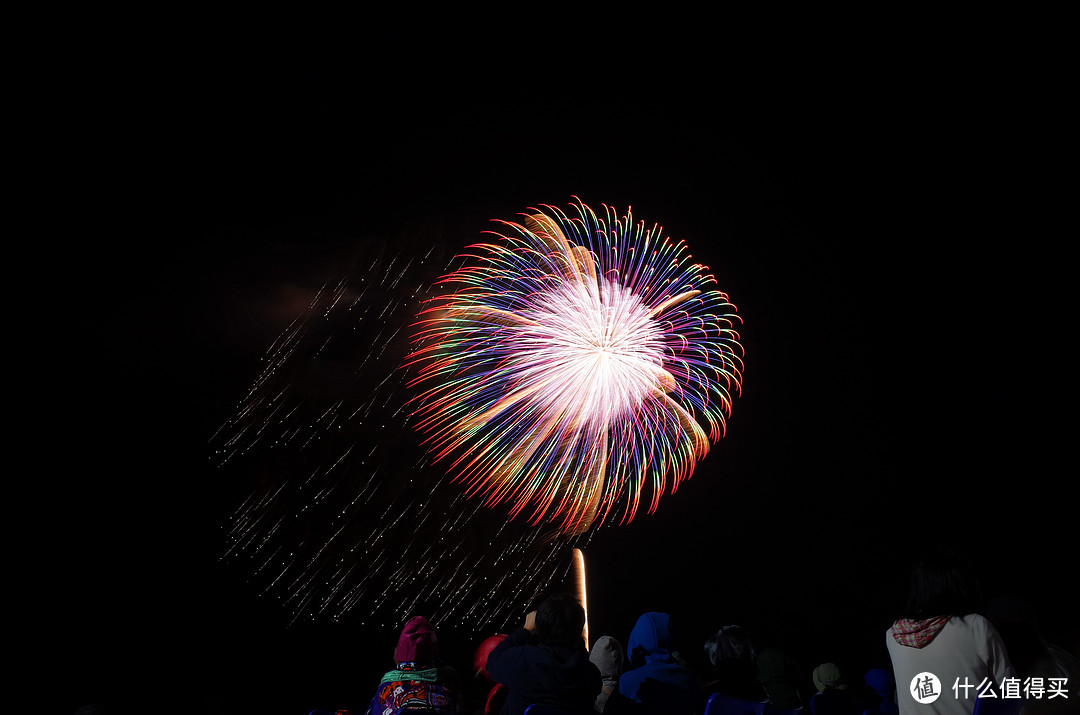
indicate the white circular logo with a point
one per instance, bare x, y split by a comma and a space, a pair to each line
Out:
925, 687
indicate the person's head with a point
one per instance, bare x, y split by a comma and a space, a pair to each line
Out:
560, 620
730, 643
651, 637
942, 584
827, 676
881, 682
775, 666
482, 652
607, 656
418, 642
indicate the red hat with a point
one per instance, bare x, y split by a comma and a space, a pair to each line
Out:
418, 642
483, 651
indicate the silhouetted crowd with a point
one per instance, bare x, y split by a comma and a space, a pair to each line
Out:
546, 667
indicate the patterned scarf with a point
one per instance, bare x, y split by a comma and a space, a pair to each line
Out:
420, 673
418, 688
917, 634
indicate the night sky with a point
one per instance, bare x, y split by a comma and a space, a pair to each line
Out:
884, 208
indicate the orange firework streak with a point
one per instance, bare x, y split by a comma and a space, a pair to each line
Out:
582, 596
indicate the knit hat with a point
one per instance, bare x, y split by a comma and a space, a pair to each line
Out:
827, 675
418, 643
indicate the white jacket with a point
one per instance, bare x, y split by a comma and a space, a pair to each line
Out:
966, 652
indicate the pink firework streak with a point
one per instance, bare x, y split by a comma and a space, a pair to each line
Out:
577, 363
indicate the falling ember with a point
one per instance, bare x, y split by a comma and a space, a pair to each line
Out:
569, 367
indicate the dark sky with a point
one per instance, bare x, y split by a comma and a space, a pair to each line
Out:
883, 207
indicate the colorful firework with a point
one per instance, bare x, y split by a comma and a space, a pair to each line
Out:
342, 515
569, 369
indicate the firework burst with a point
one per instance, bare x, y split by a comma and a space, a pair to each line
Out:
577, 365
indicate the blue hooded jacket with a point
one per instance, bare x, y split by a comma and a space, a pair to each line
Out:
657, 683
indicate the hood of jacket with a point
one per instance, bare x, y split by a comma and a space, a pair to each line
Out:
774, 666
918, 634
557, 674
650, 640
418, 642
607, 656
